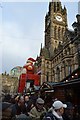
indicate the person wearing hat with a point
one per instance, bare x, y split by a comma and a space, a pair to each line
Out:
56, 112
37, 110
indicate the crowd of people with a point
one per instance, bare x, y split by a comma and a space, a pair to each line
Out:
33, 107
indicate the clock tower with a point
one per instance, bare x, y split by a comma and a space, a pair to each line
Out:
55, 26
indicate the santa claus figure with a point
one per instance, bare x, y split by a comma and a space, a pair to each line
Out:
29, 66
28, 76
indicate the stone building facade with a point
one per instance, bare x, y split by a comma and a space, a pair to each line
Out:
59, 56
10, 81
9, 84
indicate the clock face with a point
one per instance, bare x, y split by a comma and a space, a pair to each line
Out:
58, 18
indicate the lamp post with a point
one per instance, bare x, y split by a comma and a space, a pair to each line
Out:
76, 27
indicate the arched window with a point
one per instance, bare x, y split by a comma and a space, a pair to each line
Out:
57, 6
47, 76
54, 6
58, 74
55, 32
59, 33
69, 66
64, 65
69, 69
62, 32
53, 75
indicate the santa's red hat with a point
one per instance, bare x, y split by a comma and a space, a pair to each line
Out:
31, 60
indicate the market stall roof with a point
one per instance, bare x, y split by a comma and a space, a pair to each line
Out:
64, 83
52, 85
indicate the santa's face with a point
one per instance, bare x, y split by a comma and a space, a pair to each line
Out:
29, 67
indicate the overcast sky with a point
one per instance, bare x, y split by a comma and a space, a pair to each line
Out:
23, 30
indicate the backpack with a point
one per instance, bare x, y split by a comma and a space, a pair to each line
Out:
50, 116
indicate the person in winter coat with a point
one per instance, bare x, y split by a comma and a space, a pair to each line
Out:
19, 107
56, 111
38, 110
